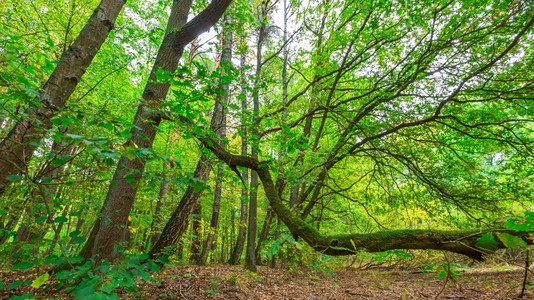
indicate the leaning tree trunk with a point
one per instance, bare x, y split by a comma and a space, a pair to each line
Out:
458, 241
16, 150
111, 227
177, 224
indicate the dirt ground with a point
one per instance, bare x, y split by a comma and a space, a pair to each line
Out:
229, 282
233, 282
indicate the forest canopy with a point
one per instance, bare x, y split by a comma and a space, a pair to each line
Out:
213, 132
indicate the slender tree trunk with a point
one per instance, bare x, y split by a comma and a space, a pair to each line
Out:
111, 228
157, 218
274, 261
78, 228
16, 150
254, 182
196, 225
212, 232
264, 234
243, 216
57, 231
219, 116
250, 262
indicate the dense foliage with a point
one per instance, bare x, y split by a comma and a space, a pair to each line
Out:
353, 126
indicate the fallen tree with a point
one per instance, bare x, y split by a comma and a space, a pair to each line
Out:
374, 125
463, 242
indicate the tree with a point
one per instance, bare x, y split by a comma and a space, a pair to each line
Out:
427, 86
243, 216
219, 127
370, 126
17, 148
111, 227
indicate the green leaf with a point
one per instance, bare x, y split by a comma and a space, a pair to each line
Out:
153, 267
60, 220
146, 276
63, 275
107, 287
75, 233
511, 241
23, 266
40, 219
87, 288
39, 281
74, 137
61, 160
84, 292
78, 240
487, 242
14, 178
75, 260
16, 284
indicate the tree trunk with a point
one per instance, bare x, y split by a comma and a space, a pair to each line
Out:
157, 218
111, 227
219, 121
458, 241
212, 232
196, 225
177, 224
250, 262
57, 231
264, 234
16, 150
240, 242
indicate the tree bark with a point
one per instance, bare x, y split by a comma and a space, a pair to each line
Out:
16, 150
111, 228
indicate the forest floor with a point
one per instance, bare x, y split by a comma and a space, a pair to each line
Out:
233, 282
229, 282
